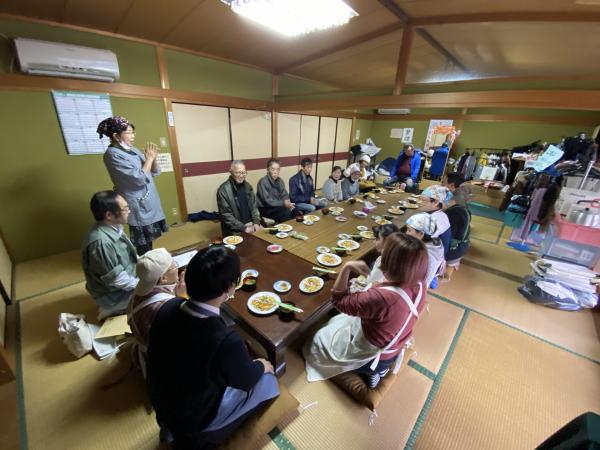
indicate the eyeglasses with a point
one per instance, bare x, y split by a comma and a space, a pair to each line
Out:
240, 172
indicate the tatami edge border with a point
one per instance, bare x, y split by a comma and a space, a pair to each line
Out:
421, 369
436, 384
282, 442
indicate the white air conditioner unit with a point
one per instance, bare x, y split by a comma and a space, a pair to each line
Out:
64, 60
393, 111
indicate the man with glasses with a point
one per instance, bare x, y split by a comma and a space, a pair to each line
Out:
108, 257
238, 209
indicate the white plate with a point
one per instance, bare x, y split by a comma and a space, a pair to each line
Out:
282, 286
312, 217
397, 212
285, 227
383, 222
308, 222
323, 249
348, 244
336, 209
360, 214
367, 234
282, 235
341, 218
318, 282
334, 213
381, 202
329, 259
264, 312
360, 228
343, 236
233, 240
275, 248
230, 246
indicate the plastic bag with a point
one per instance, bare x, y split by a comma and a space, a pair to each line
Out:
75, 333
544, 292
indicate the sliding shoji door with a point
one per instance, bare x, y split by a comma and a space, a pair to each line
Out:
326, 149
288, 144
342, 142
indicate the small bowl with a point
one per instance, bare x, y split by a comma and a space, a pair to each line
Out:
274, 231
285, 314
299, 218
308, 222
340, 251
352, 201
386, 217
325, 211
249, 284
356, 237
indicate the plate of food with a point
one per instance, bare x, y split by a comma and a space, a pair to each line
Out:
308, 222
395, 210
348, 244
360, 214
343, 236
282, 286
341, 218
323, 249
329, 260
381, 202
285, 227
233, 240
336, 210
310, 285
275, 248
281, 235
263, 303
411, 206
367, 234
383, 222
376, 218
311, 217
361, 228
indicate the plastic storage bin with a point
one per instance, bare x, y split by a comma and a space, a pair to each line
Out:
575, 232
568, 250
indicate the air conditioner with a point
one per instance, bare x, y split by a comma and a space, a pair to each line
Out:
393, 111
64, 60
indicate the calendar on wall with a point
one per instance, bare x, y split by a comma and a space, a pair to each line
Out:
79, 114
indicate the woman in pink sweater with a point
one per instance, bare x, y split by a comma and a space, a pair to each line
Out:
375, 324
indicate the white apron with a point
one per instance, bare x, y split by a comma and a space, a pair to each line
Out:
340, 346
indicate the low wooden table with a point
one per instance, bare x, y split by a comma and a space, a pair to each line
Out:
325, 231
270, 331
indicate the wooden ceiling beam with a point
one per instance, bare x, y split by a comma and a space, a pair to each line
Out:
338, 48
520, 16
559, 120
531, 98
405, 46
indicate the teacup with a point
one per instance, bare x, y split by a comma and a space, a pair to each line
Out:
299, 218
340, 251
285, 314
249, 284
352, 201
325, 211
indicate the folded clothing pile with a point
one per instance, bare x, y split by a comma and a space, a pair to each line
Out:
561, 285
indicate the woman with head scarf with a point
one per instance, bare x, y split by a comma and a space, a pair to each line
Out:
132, 173
365, 182
350, 184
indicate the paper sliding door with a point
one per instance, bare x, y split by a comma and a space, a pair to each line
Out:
326, 151
342, 142
288, 144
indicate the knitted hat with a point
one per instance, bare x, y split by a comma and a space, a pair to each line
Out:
150, 267
366, 158
438, 192
423, 222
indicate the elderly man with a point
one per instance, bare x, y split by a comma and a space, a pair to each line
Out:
237, 203
108, 257
273, 200
302, 188
365, 182
406, 169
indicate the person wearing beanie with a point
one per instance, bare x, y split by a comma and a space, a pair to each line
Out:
158, 282
350, 184
365, 183
423, 227
435, 199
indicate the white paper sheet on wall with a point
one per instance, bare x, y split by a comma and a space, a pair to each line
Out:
165, 162
407, 135
396, 133
79, 115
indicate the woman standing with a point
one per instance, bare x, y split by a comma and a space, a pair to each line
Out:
132, 173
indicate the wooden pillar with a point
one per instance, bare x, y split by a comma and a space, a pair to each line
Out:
408, 34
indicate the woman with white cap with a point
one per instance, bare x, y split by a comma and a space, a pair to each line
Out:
350, 184
365, 184
423, 226
435, 198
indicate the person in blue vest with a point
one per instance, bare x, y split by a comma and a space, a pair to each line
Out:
302, 188
406, 169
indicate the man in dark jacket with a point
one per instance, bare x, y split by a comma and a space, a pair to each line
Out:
302, 188
273, 200
237, 203
406, 169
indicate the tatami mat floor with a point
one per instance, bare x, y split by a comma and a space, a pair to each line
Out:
489, 370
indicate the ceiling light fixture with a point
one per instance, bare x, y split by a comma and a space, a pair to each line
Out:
294, 17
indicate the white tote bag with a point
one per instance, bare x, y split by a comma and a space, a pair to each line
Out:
75, 333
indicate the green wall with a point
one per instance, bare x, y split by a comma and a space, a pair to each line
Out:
365, 127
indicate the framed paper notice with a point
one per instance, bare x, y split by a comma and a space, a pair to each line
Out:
79, 115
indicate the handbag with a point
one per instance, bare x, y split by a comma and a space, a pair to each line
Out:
75, 333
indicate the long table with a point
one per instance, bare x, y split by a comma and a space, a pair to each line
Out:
325, 231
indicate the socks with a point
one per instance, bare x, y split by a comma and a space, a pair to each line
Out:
374, 379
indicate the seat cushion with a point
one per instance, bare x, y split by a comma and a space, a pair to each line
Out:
354, 385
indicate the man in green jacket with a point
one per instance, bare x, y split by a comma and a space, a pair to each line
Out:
108, 257
237, 203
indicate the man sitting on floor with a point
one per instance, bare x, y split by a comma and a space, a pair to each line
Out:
273, 200
302, 188
108, 257
159, 282
237, 203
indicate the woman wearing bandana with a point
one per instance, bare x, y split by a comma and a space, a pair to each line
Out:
132, 173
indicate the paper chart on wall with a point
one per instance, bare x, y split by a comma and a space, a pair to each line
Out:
165, 162
79, 115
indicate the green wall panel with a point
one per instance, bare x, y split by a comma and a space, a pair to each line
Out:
294, 86
137, 62
44, 192
195, 73
365, 127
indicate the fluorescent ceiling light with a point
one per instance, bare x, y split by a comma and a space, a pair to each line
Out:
294, 17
